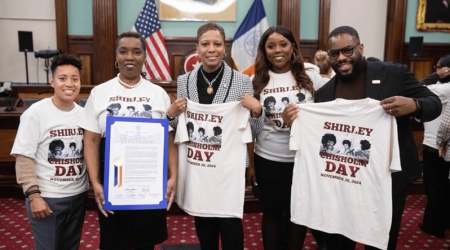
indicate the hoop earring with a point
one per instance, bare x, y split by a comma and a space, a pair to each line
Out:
116, 64
293, 56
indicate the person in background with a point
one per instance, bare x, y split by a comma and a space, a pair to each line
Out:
214, 82
442, 72
55, 203
126, 229
435, 169
443, 135
400, 95
322, 60
280, 71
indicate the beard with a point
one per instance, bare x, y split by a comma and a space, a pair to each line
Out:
356, 69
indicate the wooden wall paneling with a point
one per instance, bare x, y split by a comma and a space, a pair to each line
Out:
43, 91
288, 14
61, 24
178, 47
308, 49
105, 34
420, 68
8, 136
395, 30
324, 24
178, 59
431, 54
82, 46
86, 72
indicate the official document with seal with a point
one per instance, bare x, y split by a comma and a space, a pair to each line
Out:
135, 174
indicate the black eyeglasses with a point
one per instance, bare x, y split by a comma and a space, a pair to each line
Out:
334, 54
437, 66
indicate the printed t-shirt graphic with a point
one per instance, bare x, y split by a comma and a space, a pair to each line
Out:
275, 97
212, 157
346, 152
148, 100
281, 90
44, 135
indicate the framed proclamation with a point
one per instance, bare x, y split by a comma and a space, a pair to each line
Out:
135, 174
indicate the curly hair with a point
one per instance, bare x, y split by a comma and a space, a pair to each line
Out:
268, 100
365, 144
56, 143
262, 64
217, 130
328, 137
65, 59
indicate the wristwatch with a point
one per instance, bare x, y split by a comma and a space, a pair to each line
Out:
418, 105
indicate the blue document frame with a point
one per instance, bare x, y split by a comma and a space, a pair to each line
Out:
136, 154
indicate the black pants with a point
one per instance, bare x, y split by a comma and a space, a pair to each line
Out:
230, 230
340, 242
275, 180
437, 189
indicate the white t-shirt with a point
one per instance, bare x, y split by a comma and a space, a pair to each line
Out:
51, 137
272, 141
211, 166
345, 189
111, 98
442, 90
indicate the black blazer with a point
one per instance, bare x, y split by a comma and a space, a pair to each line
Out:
395, 80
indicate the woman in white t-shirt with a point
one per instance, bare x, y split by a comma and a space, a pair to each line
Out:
126, 229
279, 73
54, 181
212, 82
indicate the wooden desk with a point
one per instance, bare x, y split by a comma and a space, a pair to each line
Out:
9, 122
17, 112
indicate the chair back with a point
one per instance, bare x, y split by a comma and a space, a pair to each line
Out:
82, 102
9, 102
27, 102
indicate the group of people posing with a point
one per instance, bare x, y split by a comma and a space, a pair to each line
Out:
254, 136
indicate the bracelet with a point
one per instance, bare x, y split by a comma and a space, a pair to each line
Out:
169, 116
36, 191
32, 198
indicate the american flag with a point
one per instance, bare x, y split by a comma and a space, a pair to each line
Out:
148, 25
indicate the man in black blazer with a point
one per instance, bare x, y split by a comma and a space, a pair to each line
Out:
401, 95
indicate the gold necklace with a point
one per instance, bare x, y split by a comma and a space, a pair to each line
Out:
210, 89
127, 85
